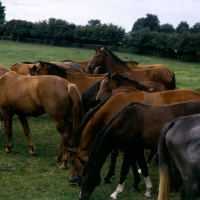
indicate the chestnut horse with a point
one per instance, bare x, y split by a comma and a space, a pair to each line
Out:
32, 96
111, 64
131, 130
23, 67
99, 116
3, 70
112, 81
82, 80
179, 150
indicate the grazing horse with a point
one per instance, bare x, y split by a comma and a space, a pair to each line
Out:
179, 150
134, 128
82, 80
101, 114
109, 63
112, 81
32, 96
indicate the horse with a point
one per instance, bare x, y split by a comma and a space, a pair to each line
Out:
22, 68
33, 96
178, 149
83, 64
3, 70
111, 64
131, 130
100, 115
82, 80
112, 81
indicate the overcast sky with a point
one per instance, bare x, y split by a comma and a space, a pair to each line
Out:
118, 12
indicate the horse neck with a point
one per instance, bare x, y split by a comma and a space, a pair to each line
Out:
110, 66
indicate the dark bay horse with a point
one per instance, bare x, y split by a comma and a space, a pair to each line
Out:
112, 81
99, 116
110, 63
82, 80
33, 96
134, 128
179, 150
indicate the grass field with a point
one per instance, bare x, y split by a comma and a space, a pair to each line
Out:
39, 177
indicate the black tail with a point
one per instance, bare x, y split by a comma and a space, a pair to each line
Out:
173, 85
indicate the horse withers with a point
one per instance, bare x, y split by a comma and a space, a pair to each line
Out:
179, 150
33, 96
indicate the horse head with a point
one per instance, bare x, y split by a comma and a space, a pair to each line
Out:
77, 162
107, 86
91, 179
97, 59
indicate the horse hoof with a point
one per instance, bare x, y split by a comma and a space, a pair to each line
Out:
32, 153
106, 181
63, 167
111, 198
133, 189
147, 195
7, 150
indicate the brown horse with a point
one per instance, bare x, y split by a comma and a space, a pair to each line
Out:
3, 70
134, 128
101, 114
32, 96
22, 68
112, 81
82, 80
83, 64
111, 64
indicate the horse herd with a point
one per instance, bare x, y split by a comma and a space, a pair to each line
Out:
105, 105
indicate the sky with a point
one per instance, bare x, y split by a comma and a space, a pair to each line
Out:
123, 13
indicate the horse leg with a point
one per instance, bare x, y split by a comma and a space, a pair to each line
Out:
124, 171
26, 128
136, 175
61, 128
150, 155
111, 171
190, 190
144, 168
8, 130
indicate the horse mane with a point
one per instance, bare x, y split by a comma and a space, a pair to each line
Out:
85, 120
116, 58
101, 134
88, 95
57, 70
119, 78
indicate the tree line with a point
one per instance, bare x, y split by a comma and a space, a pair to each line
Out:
147, 35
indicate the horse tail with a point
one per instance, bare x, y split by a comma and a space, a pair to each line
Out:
173, 84
165, 168
77, 107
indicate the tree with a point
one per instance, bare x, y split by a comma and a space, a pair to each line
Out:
182, 27
2, 16
196, 28
150, 21
94, 23
139, 24
167, 28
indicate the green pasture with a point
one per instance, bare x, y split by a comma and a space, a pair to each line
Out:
39, 177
